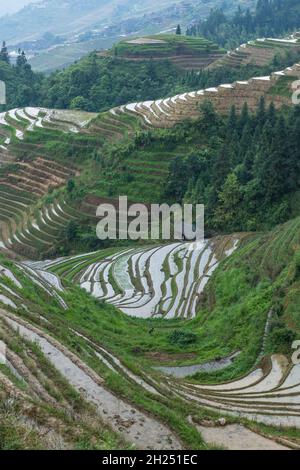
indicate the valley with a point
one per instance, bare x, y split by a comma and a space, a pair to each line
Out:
151, 344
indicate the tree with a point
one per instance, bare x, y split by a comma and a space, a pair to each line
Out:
277, 172
178, 30
227, 212
70, 185
210, 120
232, 121
4, 53
21, 59
246, 155
71, 231
79, 102
244, 118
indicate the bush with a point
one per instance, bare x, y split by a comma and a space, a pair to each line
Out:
182, 338
297, 264
281, 339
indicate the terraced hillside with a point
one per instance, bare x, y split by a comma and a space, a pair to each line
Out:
268, 395
160, 281
184, 52
30, 173
259, 52
41, 150
54, 378
16, 122
167, 112
108, 361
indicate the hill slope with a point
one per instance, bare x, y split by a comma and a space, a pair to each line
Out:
43, 149
69, 17
182, 51
267, 18
116, 356
260, 52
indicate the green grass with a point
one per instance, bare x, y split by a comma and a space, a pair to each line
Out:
262, 274
282, 87
171, 45
71, 419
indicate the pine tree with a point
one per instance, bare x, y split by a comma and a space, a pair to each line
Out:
4, 53
232, 121
277, 172
229, 200
244, 119
21, 59
261, 112
221, 167
178, 30
246, 154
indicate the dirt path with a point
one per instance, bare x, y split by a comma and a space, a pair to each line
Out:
237, 437
136, 427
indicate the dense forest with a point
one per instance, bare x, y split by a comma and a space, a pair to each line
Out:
22, 84
271, 18
247, 174
243, 167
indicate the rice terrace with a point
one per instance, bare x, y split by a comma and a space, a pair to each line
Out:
152, 342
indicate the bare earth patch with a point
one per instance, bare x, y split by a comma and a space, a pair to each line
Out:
168, 358
146, 41
237, 437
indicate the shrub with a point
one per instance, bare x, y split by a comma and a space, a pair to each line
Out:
297, 264
281, 339
182, 338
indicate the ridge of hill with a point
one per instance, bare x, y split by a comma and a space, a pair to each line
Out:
168, 112
260, 51
184, 52
96, 83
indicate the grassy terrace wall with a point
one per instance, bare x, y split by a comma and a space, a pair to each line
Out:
124, 352
170, 45
259, 52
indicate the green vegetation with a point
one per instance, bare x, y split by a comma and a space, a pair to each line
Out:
272, 18
283, 87
164, 45
97, 83
23, 86
263, 274
238, 166
244, 167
